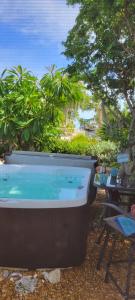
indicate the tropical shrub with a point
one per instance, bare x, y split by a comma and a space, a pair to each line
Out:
115, 129
104, 151
21, 110
32, 110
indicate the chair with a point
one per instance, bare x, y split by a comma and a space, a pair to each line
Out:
113, 197
111, 229
110, 210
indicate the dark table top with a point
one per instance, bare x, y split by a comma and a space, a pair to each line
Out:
117, 187
121, 188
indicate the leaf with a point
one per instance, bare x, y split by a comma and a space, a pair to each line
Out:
5, 129
35, 127
26, 134
3, 73
22, 124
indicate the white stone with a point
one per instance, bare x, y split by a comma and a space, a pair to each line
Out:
27, 284
52, 276
15, 275
5, 273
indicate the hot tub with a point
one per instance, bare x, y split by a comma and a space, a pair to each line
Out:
43, 215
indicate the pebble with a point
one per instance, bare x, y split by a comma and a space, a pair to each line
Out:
15, 276
5, 273
52, 276
27, 284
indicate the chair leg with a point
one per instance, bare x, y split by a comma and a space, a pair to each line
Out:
98, 241
129, 270
110, 259
103, 249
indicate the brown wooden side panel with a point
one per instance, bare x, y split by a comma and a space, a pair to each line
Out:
43, 238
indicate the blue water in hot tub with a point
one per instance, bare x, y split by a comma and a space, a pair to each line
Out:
42, 186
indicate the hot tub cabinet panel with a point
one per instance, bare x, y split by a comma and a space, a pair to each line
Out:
43, 238
43, 233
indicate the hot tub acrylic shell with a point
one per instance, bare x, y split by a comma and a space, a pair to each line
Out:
27, 186
55, 159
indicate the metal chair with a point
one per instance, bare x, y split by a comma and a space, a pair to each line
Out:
114, 197
112, 228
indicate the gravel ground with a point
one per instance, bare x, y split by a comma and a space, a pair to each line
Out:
78, 283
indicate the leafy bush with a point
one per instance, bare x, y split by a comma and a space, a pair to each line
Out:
104, 151
81, 138
28, 107
80, 144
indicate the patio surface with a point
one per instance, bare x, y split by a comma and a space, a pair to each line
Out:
78, 283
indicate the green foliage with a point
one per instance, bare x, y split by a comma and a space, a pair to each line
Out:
102, 48
116, 134
105, 151
20, 108
47, 138
4, 147
116, 130
32, 114
30, 110
80, 144
60, 91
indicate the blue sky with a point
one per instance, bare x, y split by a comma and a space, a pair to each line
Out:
31, 32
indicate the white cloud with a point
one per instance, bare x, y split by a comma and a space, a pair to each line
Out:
49, 19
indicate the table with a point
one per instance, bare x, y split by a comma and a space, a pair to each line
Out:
115, 193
